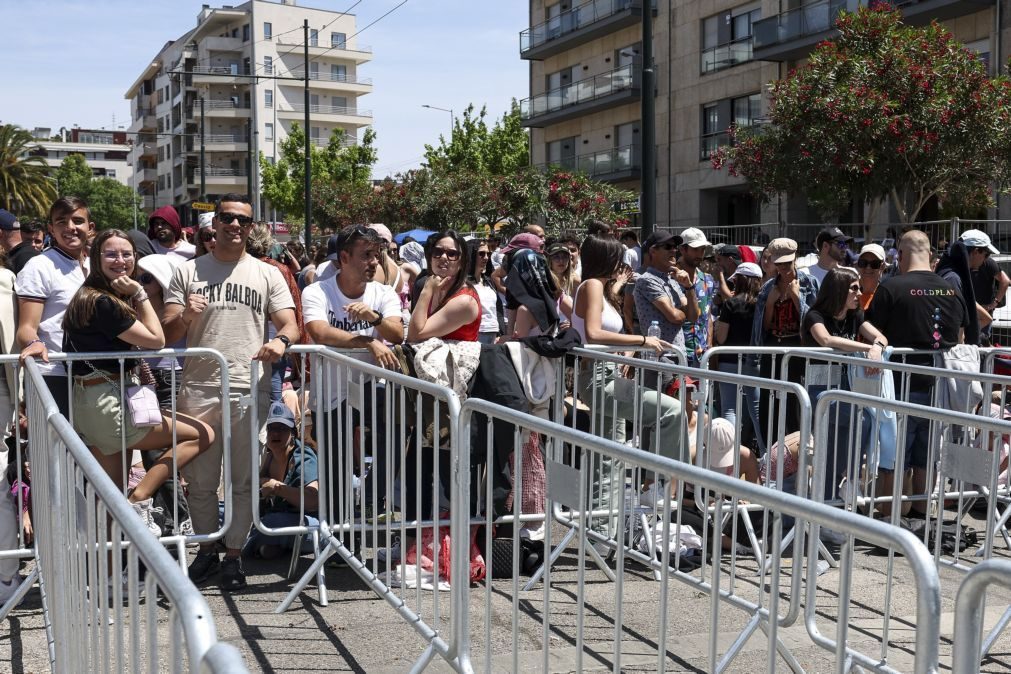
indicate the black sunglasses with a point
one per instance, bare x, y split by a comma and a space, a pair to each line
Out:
229, 218
146, 277
451, 254
873, 264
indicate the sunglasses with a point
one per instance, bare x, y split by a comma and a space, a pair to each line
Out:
207, 237
146, 277
482, 253
873, 264
855, 288
842, 244
229, 218
449, 253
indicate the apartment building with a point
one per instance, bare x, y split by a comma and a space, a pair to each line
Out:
106, 152
713, 61
221, 76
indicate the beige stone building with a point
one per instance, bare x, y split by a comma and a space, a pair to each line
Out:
228, 60
713, 59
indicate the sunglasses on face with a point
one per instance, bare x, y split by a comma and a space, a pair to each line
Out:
450, 254
229, 218
146, 278
482, 253
873, 264
842, 244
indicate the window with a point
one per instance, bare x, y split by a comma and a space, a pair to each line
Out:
268, 30
313, 37
338, 73
245, 33
562, 152
719, 116
268, 65
727, 38
110, 173
981, 48
340, 102
269, 131
268, 98
313, 70
338, 40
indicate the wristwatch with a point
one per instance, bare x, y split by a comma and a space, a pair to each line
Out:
375, 323
284, 340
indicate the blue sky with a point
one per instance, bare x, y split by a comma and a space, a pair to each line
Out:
66, 62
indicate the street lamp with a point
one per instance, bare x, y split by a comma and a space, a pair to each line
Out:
452, 119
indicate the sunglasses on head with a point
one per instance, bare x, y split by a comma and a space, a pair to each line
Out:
873, 264
229, 218
561, 255
449, 253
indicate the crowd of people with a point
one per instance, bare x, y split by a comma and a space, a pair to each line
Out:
469, 301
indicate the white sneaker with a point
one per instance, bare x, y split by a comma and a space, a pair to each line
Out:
186, 527
143, 510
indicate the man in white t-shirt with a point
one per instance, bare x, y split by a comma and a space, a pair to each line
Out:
832, 245
351, 311
166, 234
223, 301
45, 287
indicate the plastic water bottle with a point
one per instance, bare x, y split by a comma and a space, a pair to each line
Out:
654, 331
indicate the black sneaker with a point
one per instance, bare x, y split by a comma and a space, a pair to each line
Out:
203, 566
232, 576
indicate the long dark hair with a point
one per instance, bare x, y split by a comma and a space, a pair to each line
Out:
82, 307
484, 274
747, 287
834, 291
461, 245
600, 257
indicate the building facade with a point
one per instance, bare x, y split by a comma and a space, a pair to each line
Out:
713, 62
239, 75
105, 152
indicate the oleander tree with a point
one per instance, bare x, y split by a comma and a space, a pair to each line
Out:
883, 110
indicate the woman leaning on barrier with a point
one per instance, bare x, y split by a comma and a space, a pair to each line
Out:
112, 312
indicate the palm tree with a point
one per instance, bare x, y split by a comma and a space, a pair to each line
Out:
25, 188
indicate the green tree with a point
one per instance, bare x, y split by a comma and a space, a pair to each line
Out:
283, 182
73, 176
472, 146
112, 204
25, 189
885, 110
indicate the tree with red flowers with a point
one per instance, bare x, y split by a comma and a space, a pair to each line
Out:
884, 110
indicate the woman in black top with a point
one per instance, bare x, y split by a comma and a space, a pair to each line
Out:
836, 320
111, 312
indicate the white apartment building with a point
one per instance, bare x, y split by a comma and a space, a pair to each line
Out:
228, 60
106, 152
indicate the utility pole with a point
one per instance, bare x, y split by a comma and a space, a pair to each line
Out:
203, 155
647, 197
308, 152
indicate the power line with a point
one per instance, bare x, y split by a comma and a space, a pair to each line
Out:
344, 13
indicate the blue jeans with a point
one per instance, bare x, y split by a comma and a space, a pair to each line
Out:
276, 520
749, 398
277, 371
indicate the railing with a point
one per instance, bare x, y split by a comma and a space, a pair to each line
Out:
143, 112
584, 91
212, 171
214, 104
727, 55
343, 78
315, 44
810, 19
613, 160
331, 110
346, 141
217, 70
711, 142
226, 138
572, 20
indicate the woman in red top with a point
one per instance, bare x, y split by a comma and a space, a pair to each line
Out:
448, 306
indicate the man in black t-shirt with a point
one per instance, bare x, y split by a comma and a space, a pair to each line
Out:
920, 310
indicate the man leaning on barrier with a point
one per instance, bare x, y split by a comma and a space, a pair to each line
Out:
351, 311
222, 301
920, 310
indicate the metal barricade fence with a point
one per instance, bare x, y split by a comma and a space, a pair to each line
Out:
384, 442
969, 646
101, 610
575, 617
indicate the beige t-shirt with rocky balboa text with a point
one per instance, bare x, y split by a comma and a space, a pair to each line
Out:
241, 296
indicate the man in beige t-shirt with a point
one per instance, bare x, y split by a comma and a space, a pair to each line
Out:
223, 301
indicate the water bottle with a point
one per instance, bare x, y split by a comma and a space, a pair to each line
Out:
654, 331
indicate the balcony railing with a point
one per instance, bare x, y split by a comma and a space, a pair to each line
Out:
726, 55
584, 91
213, 171
334, 45
222, 139
711, 142
218, 70
810, 19
332, 77
331, 110
625, 160
572, 21
347, 141
221, 105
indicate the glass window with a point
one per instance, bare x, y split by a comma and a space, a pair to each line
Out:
269, 131
245, 33
338, 40
268, 98
710, 119
338, 73
710, 32
313, 37
313, 70
268, 65
747, 109
268, 30
110, 173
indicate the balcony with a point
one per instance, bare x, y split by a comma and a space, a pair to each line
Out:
217, 75
146, 175
607, 90
579, 25
147, 202
727, 55
225, 142
614, 165
221, 108
328, 113
347, 141
792, 35
220, 44
219, 176
359, 53
332, 81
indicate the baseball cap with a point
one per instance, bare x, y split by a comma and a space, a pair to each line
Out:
382, 230
873, 249
557, 247
782, 250
973, 238
675, 385
524, 240
162, 267
205, 220
333, 248
729, 250
659, 238
749, 269
721, 443
279, 413
8, 222
694, 238
830, 234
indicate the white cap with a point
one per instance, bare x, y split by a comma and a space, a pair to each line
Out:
162, 267
749, 269
721, 443
875, 250
694, 238
206, 220
974, 238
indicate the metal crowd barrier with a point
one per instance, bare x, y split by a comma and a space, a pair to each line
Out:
574, 613
101, 610
969, 646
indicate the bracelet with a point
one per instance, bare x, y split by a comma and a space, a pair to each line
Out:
139, 296
878, 343
34, 341
644, 340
